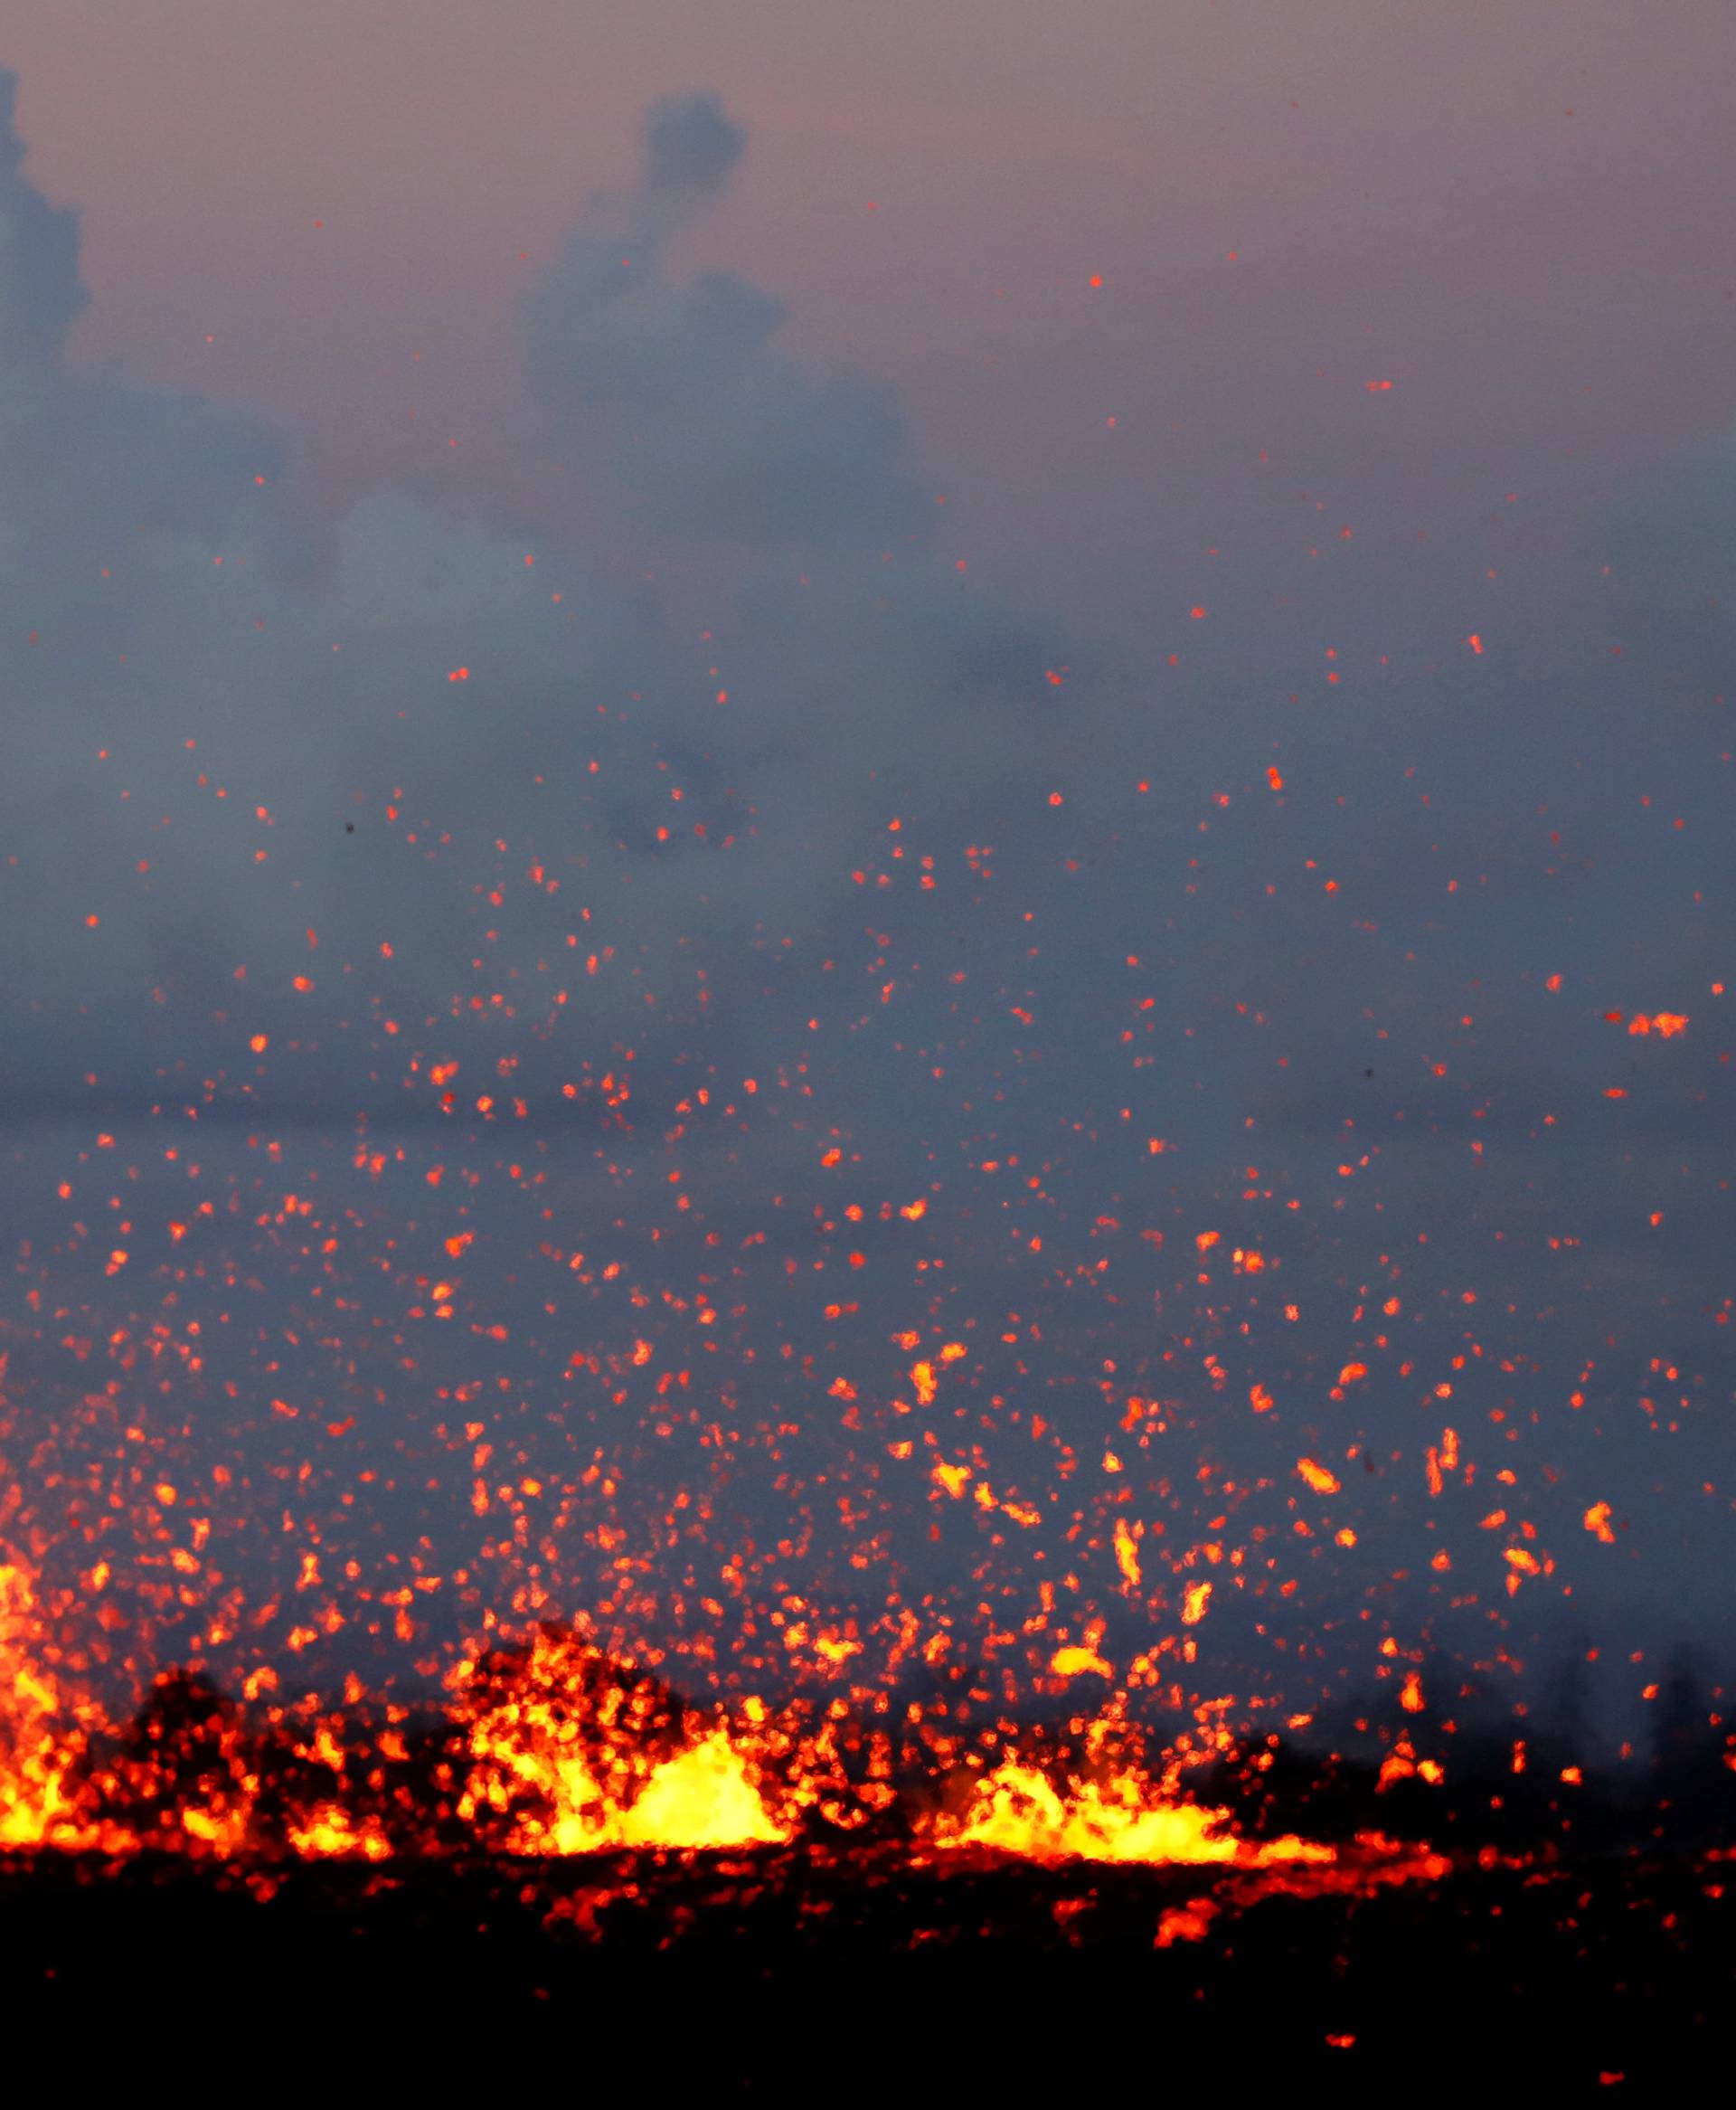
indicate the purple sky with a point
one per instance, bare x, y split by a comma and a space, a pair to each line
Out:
1514, 211
1243, 489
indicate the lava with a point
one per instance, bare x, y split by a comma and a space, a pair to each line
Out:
556, 1748
38, 1747
1018, 1811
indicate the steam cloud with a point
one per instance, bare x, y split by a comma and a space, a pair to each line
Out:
1126, 931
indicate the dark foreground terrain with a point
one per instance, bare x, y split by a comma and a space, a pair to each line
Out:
818, 1970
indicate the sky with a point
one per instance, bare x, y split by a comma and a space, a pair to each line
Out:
861, 844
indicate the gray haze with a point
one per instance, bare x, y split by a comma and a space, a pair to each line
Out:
757, 783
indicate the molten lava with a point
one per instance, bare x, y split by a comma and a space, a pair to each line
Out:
555, 1748
1018, 1810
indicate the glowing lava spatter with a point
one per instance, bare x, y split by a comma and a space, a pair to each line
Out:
552, 1748
39, 1741
1018, 1810
581, 1754
730, 1170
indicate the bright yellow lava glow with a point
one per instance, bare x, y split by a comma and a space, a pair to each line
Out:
1017, 1810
